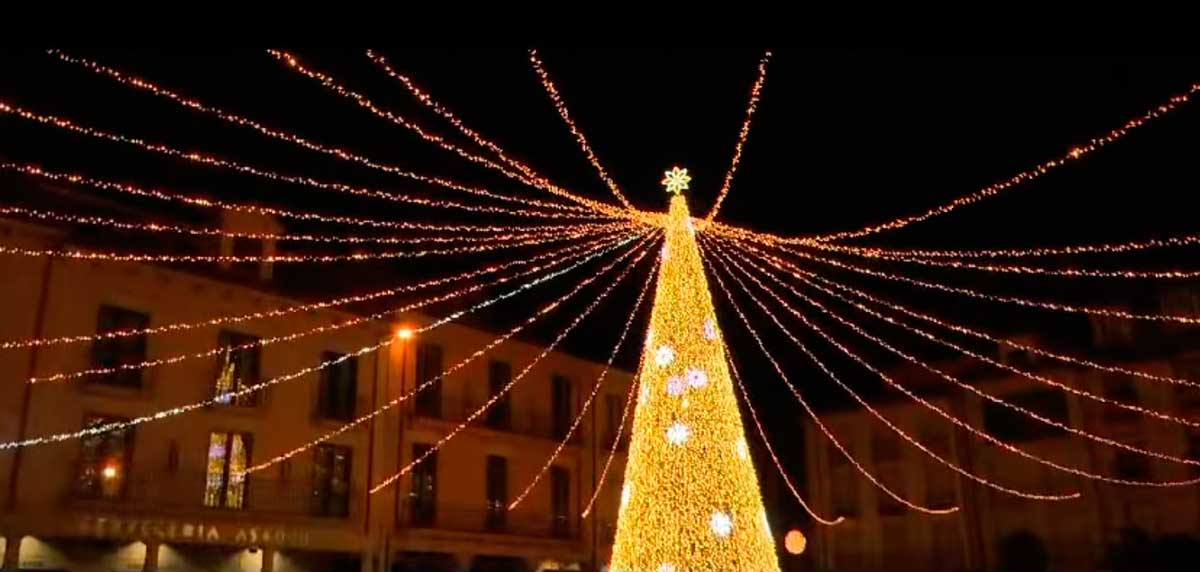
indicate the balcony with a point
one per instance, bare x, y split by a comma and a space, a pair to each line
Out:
480, 520
184, 493
538, 425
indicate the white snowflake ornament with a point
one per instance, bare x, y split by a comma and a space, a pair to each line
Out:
678, 433
721, 524
664, 355
696, 378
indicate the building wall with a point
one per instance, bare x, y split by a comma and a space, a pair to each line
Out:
163, 504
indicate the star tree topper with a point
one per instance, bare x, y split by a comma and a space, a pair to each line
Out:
676, 180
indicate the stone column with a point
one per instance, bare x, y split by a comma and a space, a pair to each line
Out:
268, 560
12, 553
150, 564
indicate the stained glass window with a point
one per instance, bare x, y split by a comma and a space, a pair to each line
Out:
225, 479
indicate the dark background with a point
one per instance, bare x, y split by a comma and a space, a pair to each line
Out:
842, 139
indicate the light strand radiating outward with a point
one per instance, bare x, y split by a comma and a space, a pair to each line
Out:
556, 257
164, 227
599, 383
508, 386
343, 154
77, 254
978, 433
1032, 252
867, 406
425, 384
1075, 153
762, 436
1064, 387
300, 180
813, 414
755, 94
630, 397
561, 107
594, 250
367, 104
212, 203
259, 386
1033, 270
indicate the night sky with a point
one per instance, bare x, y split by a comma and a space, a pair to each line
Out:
842, 139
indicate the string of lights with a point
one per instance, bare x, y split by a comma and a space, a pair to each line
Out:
637, 306
146, 85
867, 406
556, 256
508, 386
1033, 270
762, 436
300, 180
79, 254
1043, 379
212, 203
813, 414
581, 258
891, 382
630, 397
330, 83
559, 105
755, 94
227, 396
394, 402
1055, 306
166, 227
1111, 248
1074, 154
453, 119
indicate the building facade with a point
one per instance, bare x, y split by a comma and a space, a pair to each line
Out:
166, 494
994, 530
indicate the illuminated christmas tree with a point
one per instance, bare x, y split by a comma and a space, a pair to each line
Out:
691, 501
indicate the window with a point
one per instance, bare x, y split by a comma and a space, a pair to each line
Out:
225, 478
104, 463
331, 481
338, 390
612, 418
500, 414
890, 476
1120, 388
885, 446
238, 368
1193, 452
423, 504
845, 492
939, 481
560, 402
118, 351
497, 492
1009, 425
560, 502
429, 366
1187, 397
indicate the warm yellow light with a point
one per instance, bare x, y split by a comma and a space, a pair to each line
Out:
404, 334
795, 542
109, 472
676, 181
691, 501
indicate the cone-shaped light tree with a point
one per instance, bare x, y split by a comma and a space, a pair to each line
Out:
690, 502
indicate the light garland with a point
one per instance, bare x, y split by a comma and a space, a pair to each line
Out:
630, 397
813, 414
755, 94
1059, 307
457, 366
508, 386
867, 406
301, 180
331, 84
683, 473
1028, 375
561, 107
285, 258
1111, 248
1074, 154
557, 256
562, 444
212, 203
1034, 270
891, 382
194, 104
164, 227
255, 387
744, 452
